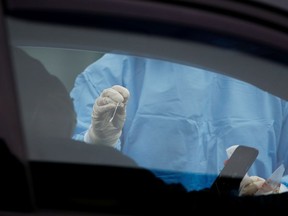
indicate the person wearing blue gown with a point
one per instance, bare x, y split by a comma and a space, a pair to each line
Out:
179, 119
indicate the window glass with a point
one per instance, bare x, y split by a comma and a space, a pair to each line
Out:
171, 106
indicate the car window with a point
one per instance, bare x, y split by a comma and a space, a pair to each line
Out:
113, 100
182, 112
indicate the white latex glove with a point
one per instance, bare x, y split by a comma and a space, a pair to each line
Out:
103, 129
253, 185
250, 185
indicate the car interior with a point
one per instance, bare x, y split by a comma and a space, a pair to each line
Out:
46, 44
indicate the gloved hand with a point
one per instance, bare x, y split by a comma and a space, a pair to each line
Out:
255, 185
108, 116
250, 185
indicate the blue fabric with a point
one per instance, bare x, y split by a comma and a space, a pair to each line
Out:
181, 119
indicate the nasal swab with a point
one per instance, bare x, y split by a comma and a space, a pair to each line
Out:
114, 112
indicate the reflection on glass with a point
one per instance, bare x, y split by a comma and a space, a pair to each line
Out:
179, 119
48, 114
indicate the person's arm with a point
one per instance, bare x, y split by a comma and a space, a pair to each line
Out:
83, 94
108, 117
102, 74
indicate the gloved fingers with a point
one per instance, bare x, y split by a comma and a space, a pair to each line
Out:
121, 110
113, 95
104, 104
258, 181
248, 189
123, 91
118, 122
107, 108
103, 101
250, 185
245, 181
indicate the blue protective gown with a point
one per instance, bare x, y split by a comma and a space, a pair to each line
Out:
181, 119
